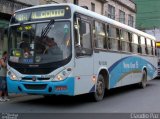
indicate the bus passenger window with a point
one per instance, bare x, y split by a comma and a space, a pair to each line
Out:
135, 43
149, 47
139, 45
99, 35
153, 48
83, 34
113, 38
146, 48
125, 40
143, 45
130, 41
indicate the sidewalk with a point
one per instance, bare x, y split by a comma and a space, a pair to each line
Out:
14, 95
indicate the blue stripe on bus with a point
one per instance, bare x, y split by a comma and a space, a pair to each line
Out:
127, 65
133, 65
68, 82
115, 64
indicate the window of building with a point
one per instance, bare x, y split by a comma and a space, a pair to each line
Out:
111, 12
99, 34
130, 20
92, 7
76, 2
121, 16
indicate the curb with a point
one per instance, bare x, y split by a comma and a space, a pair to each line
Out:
15, 95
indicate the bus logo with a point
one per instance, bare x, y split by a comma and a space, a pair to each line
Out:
33, 78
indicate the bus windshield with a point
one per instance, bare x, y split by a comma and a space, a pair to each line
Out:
39, 43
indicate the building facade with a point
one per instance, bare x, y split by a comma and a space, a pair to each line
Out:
123, 11
29, 2
7, 8
94, 5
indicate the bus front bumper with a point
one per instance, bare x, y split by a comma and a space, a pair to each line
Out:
65, 87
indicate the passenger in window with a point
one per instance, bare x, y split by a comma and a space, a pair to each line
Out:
24, 45
52, 52
50, 45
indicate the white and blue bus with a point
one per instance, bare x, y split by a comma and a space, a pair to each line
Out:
64, 49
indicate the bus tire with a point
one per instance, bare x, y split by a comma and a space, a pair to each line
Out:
143, 82
100, 89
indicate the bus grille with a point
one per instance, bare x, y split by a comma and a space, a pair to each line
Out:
35, 70
35, 86
25, 78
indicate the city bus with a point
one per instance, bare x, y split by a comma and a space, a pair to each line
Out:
64, 49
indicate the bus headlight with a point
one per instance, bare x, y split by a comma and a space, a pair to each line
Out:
12, 75
62, 75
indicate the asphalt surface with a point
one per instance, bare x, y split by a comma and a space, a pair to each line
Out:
128, 99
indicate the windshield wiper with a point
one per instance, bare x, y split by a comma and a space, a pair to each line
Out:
47, 29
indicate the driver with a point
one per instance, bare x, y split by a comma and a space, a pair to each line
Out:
50, 45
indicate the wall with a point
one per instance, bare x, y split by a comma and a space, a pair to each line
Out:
98, 4
30, 2
126, 6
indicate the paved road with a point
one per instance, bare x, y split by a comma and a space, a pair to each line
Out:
128, 99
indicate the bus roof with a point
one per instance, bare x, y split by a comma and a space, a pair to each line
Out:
75, 8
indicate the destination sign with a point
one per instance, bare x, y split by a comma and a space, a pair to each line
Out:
48, 14
22, 17
60, 12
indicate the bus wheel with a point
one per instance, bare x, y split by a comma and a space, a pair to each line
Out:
100, 89
143, 83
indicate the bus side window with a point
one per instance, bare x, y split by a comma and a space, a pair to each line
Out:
99, 35
146, 47
139, 45
83, 44
113, 37
149, 46
143, 45
106, 45
130, 41
118, 39
85, 35
152, 53
154, 47
135, 43
124, 40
